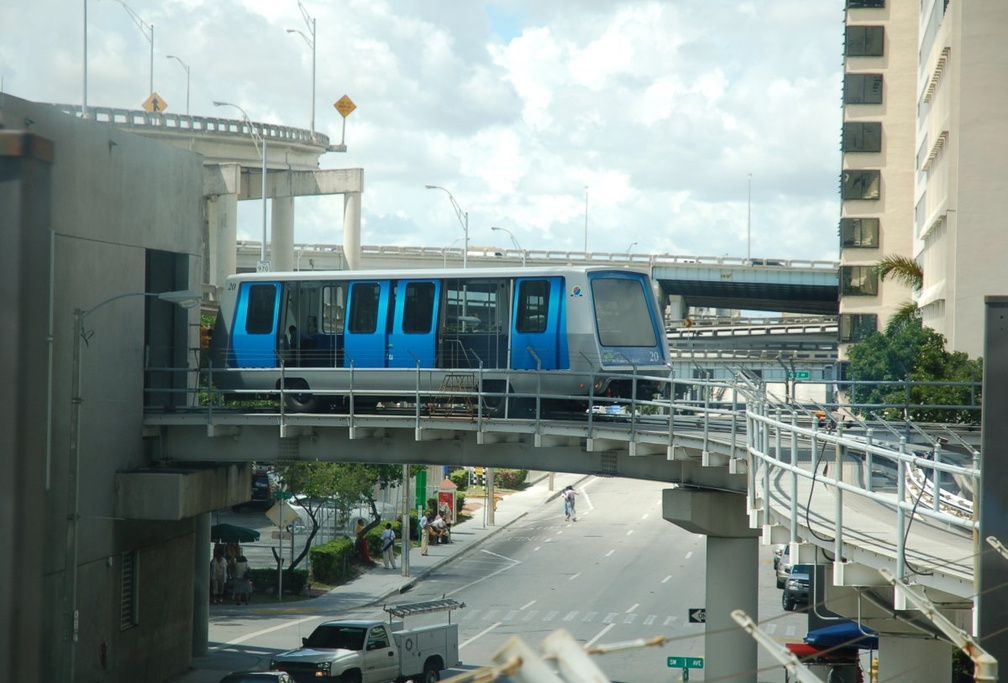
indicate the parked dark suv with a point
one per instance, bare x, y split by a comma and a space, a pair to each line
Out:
796, 588
264, 483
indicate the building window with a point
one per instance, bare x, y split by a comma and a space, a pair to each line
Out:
861, 184
858, 281
861, 136
863, 89
865, 41
854, 327
859, 233
858, 4
129, 590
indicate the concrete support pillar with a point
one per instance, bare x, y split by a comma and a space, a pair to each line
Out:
201, 586
732, 583
282, 233
222, 217
921, 660
732, 576
351, 229
675, 308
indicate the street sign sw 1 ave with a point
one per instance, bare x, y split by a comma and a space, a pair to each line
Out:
685, 662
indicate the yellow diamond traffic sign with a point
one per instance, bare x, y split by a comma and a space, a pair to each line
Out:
344, 106
155, 104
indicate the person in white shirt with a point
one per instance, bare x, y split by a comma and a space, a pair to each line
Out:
424, 533
388, 543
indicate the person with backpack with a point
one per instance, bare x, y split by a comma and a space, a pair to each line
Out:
388, 541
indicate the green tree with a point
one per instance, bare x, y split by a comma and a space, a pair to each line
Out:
341, 486
916, 353
909, 272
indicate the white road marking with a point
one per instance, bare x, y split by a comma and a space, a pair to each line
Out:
689, 554
629, 532
570, 616
610, 552
636, 605
480, 634
600, 634
646, 515
514, 563
574, 577
526, 605
255, 634
667, 579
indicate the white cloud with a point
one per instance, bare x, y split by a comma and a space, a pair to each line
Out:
662, 109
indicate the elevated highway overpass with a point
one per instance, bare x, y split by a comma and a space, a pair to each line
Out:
754, 470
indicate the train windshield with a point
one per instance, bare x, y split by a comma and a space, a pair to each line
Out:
622, 313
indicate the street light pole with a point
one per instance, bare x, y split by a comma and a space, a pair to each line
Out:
186, 299
260, 139
513, 241
148, 31
310, 22
186, 67
749, 222
84, 111
463, 217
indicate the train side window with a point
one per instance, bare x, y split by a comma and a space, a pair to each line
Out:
533, 306
364, 308
259, 319
418, 308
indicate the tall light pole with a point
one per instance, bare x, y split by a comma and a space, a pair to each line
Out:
749, 222
259, 139
84, 111
186, 67
310, 22
186, 299
463, 218
148, 31
586, 222
632, 245
513, 241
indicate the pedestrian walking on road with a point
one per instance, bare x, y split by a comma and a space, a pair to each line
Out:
218, 577
388, 541
424, 533
569, 512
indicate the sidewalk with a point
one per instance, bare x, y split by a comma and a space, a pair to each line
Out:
380, 585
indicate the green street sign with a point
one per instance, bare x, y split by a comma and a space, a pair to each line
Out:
800, 374
285, 495
685, 662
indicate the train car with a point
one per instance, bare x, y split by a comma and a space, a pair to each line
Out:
559, 331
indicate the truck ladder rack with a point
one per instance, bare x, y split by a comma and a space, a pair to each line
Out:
412, 608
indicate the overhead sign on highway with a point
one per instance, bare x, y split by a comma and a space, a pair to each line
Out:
800, 374
155, 104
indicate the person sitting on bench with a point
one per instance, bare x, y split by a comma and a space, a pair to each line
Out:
439, 530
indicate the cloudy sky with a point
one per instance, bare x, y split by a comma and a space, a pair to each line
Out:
649, 120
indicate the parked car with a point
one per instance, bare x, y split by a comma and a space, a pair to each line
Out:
796, 588
782, 565
264, 484
258, 677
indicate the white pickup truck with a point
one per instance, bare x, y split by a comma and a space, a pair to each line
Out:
375, 651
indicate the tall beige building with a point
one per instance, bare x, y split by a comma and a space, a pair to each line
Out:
925, 142
960, 191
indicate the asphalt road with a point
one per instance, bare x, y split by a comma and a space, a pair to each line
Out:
618, 574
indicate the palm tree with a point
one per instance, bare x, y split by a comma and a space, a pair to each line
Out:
909, 272
902, 269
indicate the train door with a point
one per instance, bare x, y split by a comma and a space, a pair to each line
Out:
537, 323
366, 332
255, 335
414, 328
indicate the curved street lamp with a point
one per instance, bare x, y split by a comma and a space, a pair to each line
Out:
310, 21
463, 218
148, 31
258, 138
513, 241
186, 67
185, 299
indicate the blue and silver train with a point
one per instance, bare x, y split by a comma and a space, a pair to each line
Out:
558, 331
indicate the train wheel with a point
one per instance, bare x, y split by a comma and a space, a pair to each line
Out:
301, 402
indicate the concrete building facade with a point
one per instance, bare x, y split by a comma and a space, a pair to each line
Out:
924, 141
96, 223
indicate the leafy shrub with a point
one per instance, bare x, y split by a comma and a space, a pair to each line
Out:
331, 561
265, 581
510, 479
460, 478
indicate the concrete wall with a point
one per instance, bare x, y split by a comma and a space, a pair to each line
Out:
119, 203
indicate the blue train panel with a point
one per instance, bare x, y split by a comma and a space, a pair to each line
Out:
254, 331
538, 325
